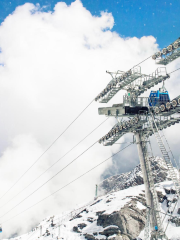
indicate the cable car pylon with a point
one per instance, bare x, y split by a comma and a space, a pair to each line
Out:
144, 117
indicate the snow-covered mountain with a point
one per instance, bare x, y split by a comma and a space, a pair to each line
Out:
117, 215
134, 177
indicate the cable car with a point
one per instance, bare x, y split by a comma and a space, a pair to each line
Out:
0, 229
159, 97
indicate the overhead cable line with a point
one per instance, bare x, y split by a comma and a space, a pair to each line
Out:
141, 62
55, 162
61, 157
52, 145
47, 149
50, 179
58, 222
59, 137
31, 235
68, 183
175, 70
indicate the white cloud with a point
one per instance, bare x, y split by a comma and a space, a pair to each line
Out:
54, 65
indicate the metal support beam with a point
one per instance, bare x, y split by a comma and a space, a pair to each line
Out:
154, 227
144, 170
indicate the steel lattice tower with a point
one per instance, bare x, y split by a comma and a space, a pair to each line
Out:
135, 115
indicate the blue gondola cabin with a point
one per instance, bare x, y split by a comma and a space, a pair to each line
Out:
158, 97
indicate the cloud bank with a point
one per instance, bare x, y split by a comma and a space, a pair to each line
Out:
54, 66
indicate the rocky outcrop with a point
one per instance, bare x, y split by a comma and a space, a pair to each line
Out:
134, 177
81, 225
122, 181
129, 221
110, 230
89, 236
176, 220
76, 229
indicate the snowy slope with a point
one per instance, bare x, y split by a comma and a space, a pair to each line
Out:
87, 222
120, 214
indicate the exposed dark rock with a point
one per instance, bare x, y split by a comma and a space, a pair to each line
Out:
77, 216
82, 225
130, 220
76, 229
170, 191
142, 195
167, 191
174, 200
176, 220
161, 197
162, 175
134, 178
110, 231
90, 219
89, 236
140, 199
178, 211
173, 191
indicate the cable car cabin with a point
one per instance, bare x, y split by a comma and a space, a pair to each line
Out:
159, 97
0, 229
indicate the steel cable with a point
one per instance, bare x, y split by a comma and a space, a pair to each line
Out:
68, 183
47, 149
49, 179
55, 162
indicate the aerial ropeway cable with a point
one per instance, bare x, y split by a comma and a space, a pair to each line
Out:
136, 83
49, 179
99, 164
52, 145
55, 162
47, 149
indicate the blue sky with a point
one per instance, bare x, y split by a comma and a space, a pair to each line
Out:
132, 17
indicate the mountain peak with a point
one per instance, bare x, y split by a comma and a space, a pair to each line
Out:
133, 178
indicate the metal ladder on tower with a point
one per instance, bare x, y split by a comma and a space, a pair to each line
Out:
155, 209
147, 228
165, 154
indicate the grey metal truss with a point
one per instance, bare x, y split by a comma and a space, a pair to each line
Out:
134, 82
155, 218
146, 82
137, 123
168, 54
135, 116
164, 60
119, 81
